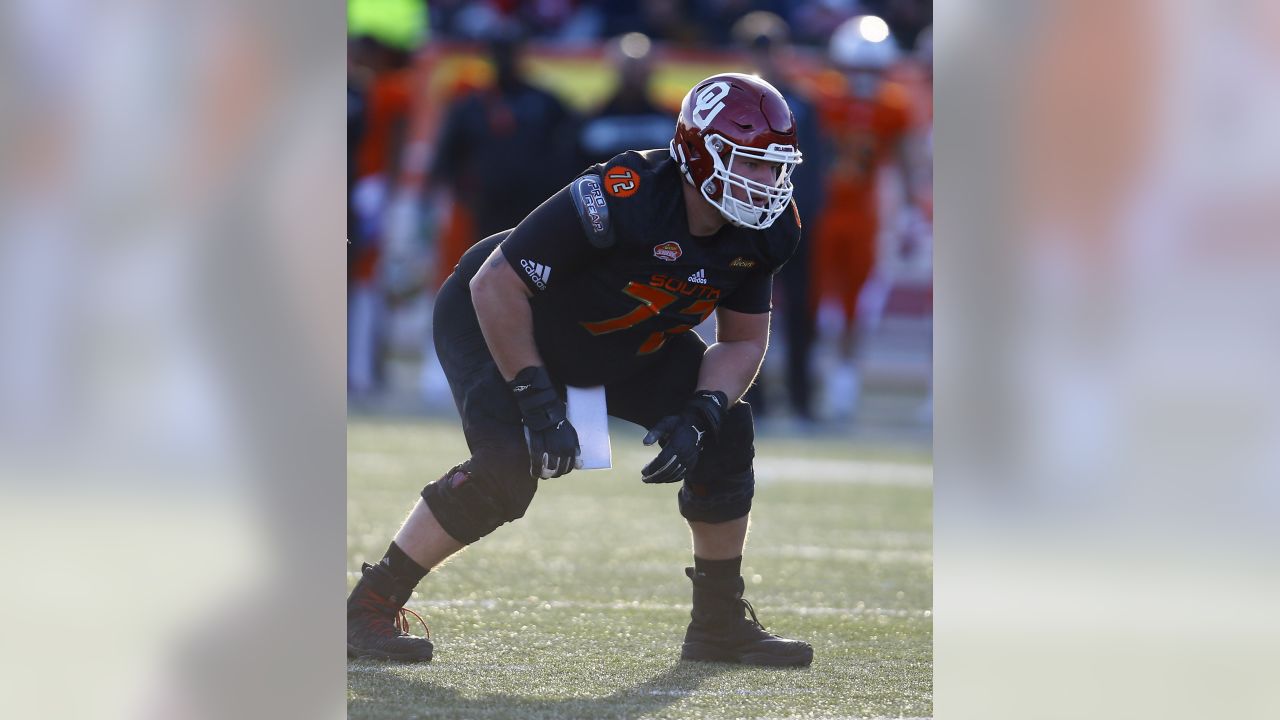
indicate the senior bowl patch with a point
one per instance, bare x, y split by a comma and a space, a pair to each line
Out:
621, 182
669, 251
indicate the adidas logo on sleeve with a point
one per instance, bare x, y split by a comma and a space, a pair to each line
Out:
539, 273
699, 277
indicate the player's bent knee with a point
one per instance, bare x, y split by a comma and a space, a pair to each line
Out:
473, 499
723, 484
737, 434
726, 498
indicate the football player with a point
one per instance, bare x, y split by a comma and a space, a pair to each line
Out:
766, 38
867, 118
601, 285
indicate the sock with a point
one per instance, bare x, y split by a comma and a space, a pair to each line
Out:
402, 567
731, 568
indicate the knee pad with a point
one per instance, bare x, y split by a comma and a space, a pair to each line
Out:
474, 498
723, 483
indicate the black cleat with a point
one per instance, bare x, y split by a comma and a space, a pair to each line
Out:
378, 622
721, 630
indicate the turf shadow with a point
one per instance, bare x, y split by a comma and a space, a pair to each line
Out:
431, 700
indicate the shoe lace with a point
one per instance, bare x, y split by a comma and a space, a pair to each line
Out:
400, 621
746, 605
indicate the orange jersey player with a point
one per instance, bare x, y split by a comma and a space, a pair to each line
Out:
867, 121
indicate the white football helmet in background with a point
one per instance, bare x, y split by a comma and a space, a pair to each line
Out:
863, 42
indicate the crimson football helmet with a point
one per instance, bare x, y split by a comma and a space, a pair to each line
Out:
729, 119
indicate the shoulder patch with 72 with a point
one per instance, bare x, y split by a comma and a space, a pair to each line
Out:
621, 182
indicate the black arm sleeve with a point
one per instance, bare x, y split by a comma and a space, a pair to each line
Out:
754, 296
551, 243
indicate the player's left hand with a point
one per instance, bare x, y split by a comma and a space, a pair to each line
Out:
682, 437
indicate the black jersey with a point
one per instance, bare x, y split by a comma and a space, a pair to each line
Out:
611, 288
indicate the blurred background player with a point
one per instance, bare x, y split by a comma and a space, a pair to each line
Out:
379, 90
503, 149
866, 119
631, 118
765, 37
924, 173
504, 145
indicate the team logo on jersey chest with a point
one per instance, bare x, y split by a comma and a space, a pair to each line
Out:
688, 288
669, 251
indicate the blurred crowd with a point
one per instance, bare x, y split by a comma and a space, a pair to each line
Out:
460, 126
686, 22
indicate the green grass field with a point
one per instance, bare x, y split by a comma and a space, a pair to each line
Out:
578, 610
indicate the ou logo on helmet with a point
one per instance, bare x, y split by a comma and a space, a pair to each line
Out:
709, 103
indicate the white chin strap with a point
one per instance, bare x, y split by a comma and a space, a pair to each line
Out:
763, 203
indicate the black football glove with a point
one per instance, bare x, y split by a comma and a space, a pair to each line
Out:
683, 436
553, 443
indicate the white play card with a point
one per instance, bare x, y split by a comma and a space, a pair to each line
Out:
590, 417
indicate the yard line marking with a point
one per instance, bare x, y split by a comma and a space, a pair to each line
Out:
814, 552
769, 469
890, 538
775, 468
494, 604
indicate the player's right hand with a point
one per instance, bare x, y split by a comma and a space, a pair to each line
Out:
683, 437
553, 442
